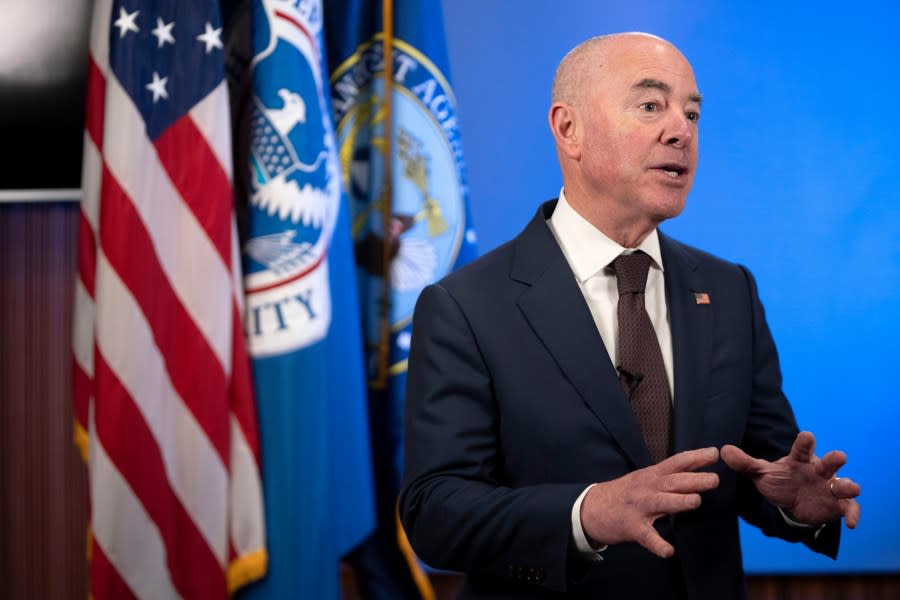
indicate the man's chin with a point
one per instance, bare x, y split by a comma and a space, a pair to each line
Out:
664, 208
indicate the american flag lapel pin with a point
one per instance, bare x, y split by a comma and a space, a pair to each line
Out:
701, 297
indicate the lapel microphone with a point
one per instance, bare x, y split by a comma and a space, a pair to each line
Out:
631, 379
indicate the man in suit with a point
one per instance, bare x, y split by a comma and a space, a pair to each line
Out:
591, 406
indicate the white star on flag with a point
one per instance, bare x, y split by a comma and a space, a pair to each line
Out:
211, 37
163, 32
158, 87
126, 23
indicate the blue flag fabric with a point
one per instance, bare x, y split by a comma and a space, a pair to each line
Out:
429, 232
302, 320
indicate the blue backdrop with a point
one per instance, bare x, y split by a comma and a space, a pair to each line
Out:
799, 179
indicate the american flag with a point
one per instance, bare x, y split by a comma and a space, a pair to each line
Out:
163, 398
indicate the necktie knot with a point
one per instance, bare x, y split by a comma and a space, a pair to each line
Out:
631, 272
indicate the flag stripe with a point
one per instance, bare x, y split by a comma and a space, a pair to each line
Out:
92, 169
245, 481
87, 253
188, 258
108, 584
212, 118
201, 481
96, 92
242, 387
202, 195
100, 28
195, 571
182, 347
124, 533
81, 392
83, 332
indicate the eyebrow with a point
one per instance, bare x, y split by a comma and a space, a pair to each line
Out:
664, 87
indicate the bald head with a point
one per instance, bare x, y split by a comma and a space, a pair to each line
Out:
576, 73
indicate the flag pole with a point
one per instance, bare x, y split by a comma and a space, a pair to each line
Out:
387, 204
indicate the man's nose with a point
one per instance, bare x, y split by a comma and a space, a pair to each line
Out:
679, 131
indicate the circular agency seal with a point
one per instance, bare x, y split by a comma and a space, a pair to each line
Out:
429, 193
294, 184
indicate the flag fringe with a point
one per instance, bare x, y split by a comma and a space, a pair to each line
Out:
246, 569
81, 439
426, 590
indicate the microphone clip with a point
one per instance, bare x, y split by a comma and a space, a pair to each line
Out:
631, 380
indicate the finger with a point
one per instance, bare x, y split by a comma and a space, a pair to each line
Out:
851, 510
829, 464
668, 504
686, 483
689, 460
740, 461
844, 487
652, 541
804, 447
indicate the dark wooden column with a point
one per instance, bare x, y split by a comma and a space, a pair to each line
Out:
42, 477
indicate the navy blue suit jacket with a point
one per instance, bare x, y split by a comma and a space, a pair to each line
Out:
513, 408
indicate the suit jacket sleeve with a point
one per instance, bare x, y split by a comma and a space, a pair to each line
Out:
456, 512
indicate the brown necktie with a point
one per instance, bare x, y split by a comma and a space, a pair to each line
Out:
642, 372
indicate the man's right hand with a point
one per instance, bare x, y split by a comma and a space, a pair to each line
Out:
624, 509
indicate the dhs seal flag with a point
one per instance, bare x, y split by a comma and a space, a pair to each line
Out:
294, 185
302, 317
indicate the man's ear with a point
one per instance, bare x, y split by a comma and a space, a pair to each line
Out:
565, 124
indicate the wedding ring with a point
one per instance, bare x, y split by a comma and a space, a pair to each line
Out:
831, 485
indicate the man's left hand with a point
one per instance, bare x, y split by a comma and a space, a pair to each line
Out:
801, 483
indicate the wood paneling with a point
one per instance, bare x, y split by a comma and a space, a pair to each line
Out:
784, 587
42, 504
811, 587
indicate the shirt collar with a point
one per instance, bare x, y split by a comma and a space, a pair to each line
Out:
588, 249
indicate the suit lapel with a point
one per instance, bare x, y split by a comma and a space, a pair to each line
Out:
692, 325
559, 315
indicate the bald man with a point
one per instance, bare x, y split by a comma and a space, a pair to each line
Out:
592, 405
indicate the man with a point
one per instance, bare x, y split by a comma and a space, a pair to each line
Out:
571, 394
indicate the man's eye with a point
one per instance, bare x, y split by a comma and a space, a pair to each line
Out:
649, 107
693, 116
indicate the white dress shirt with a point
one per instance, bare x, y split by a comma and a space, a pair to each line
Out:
590, 254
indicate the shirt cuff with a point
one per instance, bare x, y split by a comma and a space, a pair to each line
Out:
798, 524
582, 544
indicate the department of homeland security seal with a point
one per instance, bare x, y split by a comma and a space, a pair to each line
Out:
429, 192
294, 185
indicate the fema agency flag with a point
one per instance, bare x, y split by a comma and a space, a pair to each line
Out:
427, 227
302, 317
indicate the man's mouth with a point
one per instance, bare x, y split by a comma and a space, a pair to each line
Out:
672, 170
